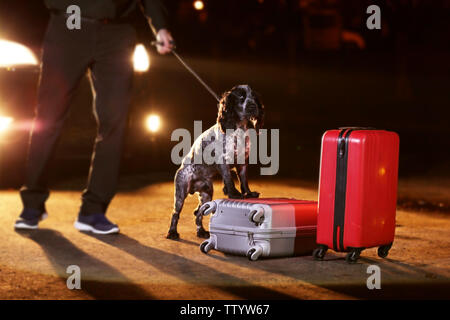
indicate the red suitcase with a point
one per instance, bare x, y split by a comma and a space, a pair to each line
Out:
357, 191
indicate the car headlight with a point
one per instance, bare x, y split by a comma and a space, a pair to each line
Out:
198, 5
15, 54
141, 59
5, 122
153, 123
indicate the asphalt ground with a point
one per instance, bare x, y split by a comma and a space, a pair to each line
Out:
140, 263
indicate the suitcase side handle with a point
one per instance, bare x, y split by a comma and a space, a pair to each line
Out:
208, 207
256, 215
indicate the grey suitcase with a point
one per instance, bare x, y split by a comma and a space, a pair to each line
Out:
271, 227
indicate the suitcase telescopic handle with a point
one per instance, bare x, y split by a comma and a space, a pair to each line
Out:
208, 207
357, 128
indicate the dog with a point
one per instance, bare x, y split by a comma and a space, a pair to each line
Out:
240, 109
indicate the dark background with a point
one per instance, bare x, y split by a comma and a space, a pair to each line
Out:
294, 53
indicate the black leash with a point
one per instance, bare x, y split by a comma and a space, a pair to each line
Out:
155, 43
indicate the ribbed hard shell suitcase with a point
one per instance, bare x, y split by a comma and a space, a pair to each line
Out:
357, 191
261, 227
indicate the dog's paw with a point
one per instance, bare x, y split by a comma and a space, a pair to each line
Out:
235, 195
252, 194
173, 235
202, 233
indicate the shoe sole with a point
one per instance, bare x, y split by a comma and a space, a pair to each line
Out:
23, 226
85, 227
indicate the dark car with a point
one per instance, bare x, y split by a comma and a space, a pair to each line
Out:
19, 75
18, 78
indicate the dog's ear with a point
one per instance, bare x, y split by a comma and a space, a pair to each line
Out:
227, 115
260, 119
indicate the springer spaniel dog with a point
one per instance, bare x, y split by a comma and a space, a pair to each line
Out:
239, 110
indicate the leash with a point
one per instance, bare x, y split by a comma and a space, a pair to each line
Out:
155, 43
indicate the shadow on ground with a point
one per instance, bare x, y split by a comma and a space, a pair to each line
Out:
112, 284
390, 289
190, 271
62, 253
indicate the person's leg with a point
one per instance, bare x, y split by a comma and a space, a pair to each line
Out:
64, 62
111, 76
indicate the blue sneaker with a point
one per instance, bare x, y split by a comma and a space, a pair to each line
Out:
96, 223
29, 219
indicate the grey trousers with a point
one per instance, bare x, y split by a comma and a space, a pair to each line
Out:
105, 50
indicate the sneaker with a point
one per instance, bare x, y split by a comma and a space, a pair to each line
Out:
29, 219
96, 223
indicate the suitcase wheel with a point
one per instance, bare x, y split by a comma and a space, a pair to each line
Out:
254, 253
383, 251
353, 256
320, 252
206, 246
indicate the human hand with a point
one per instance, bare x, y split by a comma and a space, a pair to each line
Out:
164, 41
